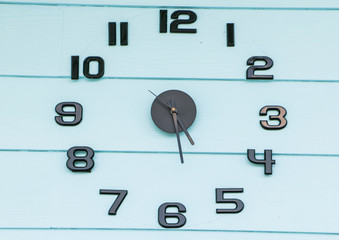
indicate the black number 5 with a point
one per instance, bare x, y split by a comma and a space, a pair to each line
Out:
220, 199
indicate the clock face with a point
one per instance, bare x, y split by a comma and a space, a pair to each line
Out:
163, 105
237, 139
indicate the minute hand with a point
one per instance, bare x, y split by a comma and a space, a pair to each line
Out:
175, 121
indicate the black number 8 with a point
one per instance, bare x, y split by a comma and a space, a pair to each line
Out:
72, 159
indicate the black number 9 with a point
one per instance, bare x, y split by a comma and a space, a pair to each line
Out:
77, 113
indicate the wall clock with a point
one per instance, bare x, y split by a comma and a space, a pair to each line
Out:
237, 141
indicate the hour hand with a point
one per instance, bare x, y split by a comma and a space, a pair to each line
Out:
182, 125
185, 130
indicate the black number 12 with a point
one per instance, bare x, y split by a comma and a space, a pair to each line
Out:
174, 27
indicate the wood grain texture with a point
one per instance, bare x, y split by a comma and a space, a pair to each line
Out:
42, 199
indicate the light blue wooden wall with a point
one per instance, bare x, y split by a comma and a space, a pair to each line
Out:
41, 199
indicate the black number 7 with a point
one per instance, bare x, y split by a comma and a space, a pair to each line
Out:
116, 204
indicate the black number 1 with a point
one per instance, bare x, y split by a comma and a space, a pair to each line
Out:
116, 204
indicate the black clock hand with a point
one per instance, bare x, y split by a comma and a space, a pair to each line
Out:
160, 100
182, 125
175, 121
185, 130
178, 117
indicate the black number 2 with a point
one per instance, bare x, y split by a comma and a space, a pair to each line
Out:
250, 71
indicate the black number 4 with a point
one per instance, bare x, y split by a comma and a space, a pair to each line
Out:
116, 204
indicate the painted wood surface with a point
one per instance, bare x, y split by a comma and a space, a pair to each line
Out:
41, 198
